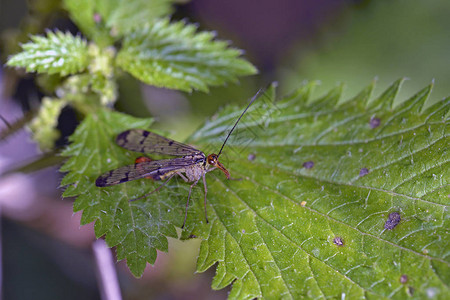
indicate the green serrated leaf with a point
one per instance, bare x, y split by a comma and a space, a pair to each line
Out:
44, 123
319, 183
174, 55
308, 217
57, 53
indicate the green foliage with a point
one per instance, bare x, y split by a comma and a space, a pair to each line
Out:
319, 180
320, 177
164, 54
57, 53
174, 55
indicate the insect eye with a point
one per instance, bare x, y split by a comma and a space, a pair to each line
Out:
212, 158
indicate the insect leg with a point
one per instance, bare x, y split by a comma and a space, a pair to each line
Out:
187, 203
183, 177
206, 191
211, 169
155, 190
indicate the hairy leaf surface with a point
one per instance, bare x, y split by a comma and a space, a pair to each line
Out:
174, 55
320, 181
56, 53
344, 199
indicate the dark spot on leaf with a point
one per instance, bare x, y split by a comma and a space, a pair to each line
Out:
403, 279
392, 221
374, 122
308, 164
243, 230
251, 157
192, 236
363, 172
338, 241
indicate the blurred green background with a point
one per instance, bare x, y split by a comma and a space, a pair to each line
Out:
46, 255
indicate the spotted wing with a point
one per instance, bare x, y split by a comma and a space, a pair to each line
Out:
148, 142
154, 169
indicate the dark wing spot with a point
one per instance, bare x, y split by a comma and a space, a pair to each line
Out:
125, 177
121, 138
102, 180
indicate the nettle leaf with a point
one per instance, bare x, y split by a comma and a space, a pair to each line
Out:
174, 55
342, 200
57, 53
339, 199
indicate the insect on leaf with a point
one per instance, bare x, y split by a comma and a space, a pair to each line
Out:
319, 182
337, 200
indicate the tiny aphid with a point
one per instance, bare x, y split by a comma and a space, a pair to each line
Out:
192, 162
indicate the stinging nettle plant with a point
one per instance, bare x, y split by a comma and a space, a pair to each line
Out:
135, 37
339, 197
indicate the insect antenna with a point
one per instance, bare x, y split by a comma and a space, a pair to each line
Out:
235, 124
